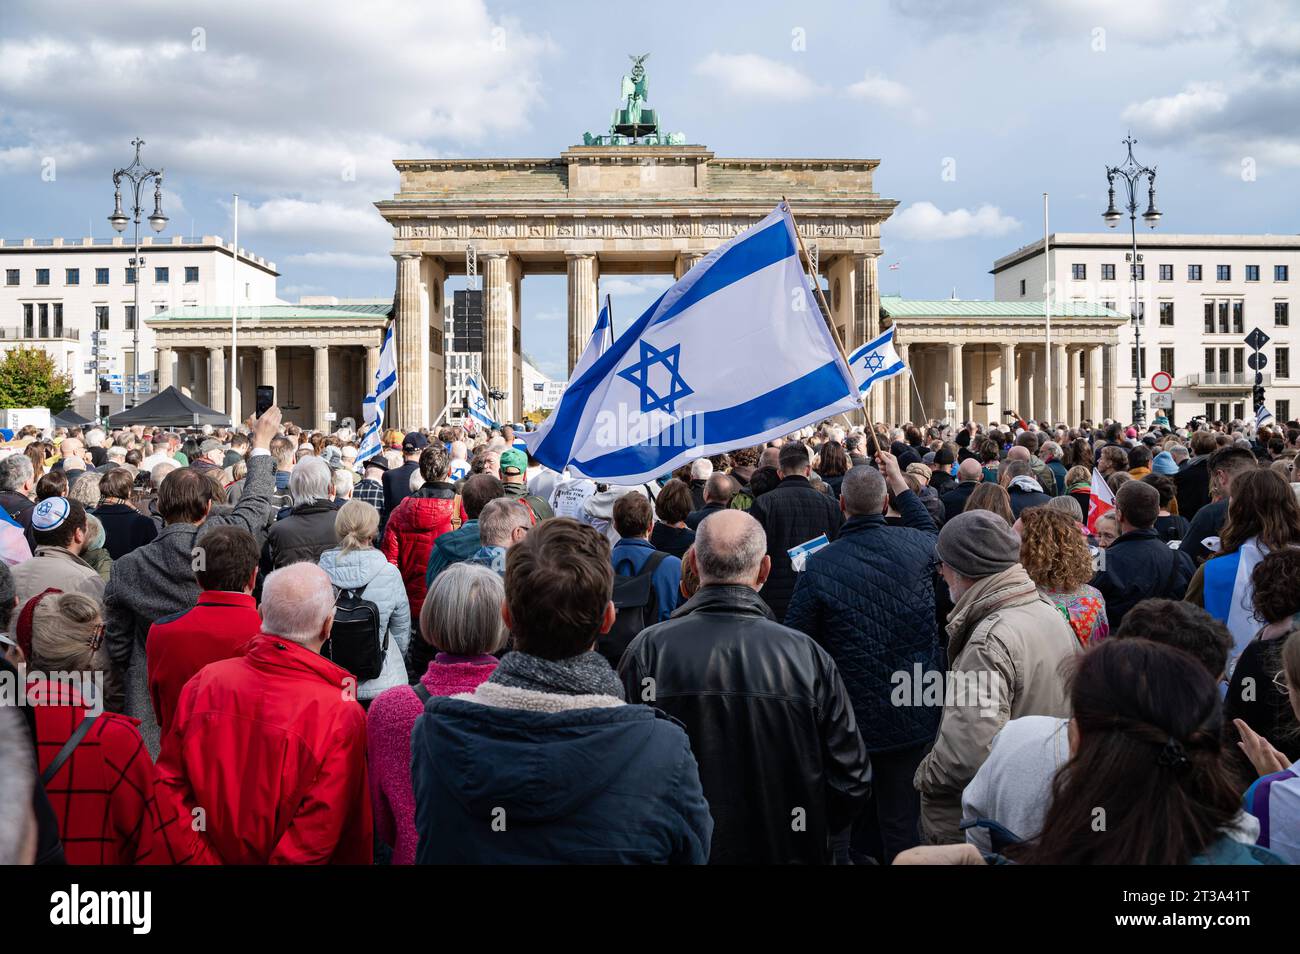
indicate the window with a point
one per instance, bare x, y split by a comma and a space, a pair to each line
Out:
1108, 273
1166, 273
1167, 314
1239, 317
42, 276
1282, 411
1079, 272
130, 317
1280, 273
161, 276
1167, 361
1223, 317
130, 275
1139, 272
1239, 411
1209, 411
58, 319
1141, 312
1252, 273
1022, 288
1238, 360
1282, 313
1109, 303
1282, 362
1223, 273
1209, 360
159, 309
11, 276
101, 276
72, 276
1224, 354
44, 311
1193, 273
101, 317
27, 319
1136, 369
192, 276
1209, 317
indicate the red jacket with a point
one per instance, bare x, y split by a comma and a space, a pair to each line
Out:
101, 794
412, 527
266, 758
217, 627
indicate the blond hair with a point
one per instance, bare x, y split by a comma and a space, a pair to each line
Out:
356, 526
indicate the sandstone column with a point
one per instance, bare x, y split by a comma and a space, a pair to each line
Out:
267, 371
1007, 389
1058, 383
1110, 406
166, 358
1074, 401
412, 340
684, 262
217, 379
954, 383
903, 392
497, 327
372, 368
583, 307
321, 370
1092, 389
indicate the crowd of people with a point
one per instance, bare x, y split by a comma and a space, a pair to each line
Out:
851, 645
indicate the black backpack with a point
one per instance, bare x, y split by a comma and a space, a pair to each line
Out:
355, 642
637, 606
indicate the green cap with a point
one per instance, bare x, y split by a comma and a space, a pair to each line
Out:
514, 460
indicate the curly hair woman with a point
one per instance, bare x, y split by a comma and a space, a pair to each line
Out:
1056, 557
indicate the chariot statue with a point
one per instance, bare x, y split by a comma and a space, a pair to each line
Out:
634, 122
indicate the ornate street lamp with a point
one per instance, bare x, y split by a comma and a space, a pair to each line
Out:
137, 175
1131, 173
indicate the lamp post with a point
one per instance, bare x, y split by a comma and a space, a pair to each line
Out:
137, 176
1131, 173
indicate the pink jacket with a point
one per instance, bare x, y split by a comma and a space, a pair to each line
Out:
389, 722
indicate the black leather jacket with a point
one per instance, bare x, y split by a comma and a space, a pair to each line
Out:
771, 725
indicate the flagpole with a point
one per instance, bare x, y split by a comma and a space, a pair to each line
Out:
826, 317
609, 307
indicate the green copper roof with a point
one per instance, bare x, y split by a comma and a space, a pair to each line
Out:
897, 307
276, 312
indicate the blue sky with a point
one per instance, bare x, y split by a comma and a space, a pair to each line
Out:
301, 107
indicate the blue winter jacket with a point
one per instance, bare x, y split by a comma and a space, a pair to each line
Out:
868, 600
629, 556
614, 785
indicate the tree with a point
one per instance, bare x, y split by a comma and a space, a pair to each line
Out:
28, 378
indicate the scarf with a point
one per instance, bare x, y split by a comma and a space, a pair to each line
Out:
1026, 483
587, 674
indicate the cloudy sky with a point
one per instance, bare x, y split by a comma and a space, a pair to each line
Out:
974, 110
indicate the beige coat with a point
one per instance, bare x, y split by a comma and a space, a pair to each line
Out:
1006, 646
59, 568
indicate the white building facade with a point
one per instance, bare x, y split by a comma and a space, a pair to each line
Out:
61, 295
540, 392
1198, 297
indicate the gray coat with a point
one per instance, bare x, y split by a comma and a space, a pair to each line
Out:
157, 580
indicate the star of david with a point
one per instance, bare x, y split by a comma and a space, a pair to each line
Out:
639, 374
874, 361
480, 404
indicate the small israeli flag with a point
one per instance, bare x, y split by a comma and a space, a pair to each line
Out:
372, 407
478, 406
876, 361
1262, 416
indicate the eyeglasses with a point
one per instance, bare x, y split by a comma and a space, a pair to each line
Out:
1280, 683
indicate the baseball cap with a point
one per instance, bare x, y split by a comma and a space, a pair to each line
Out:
210, 445
413, 442
513, 461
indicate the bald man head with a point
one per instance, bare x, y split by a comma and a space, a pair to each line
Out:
1018, 453
731, 549
970, 469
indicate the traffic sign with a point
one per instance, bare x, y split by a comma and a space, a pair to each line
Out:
1162, 381
1257, 339
1162, 400
1257, 361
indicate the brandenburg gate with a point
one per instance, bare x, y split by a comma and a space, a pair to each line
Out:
632, 202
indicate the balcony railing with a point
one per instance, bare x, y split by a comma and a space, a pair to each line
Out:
21, 334
1225, 379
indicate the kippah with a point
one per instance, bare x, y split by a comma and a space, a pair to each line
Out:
50, 513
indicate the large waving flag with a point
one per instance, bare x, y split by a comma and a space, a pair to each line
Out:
478, 406
733, 354
876, 361
1262, 416
1100, 499
372, 407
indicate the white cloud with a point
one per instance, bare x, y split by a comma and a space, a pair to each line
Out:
748, 74
875, 88
635, 287
926, 222
340, 260
328, 222
1171, 115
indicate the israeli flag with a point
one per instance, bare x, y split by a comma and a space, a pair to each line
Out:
1262, 416
478, 406
733, 354
602, 336
876, 361
372, 407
